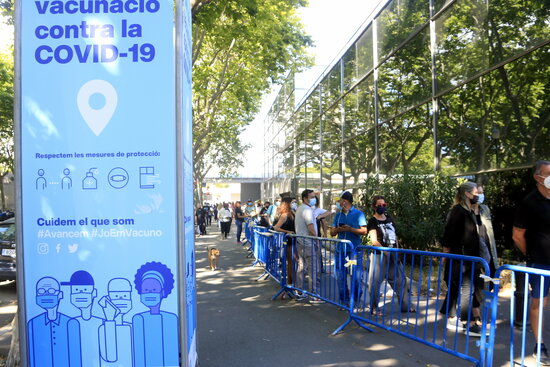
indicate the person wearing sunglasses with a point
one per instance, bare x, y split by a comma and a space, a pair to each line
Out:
385, 265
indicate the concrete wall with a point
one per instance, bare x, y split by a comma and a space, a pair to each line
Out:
9, 192
251, 191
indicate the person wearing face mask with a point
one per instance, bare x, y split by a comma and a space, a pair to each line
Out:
348, 224
385, 265
486, 232
265, 220
115, 335
461, 237
531, 234
308, 252
52, 336
83, 293
249, 209
273, 212
487, 242
155, 332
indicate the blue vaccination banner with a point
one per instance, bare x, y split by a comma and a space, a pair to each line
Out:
99, 185
189, 229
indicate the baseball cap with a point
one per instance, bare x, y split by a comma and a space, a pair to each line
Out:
80, 277
346, 195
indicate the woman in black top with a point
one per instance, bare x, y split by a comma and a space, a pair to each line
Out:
385, 265
285, 224
461, 237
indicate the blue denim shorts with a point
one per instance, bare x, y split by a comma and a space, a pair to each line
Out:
534, 281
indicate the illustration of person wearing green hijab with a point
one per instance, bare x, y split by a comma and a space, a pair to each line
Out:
155, 332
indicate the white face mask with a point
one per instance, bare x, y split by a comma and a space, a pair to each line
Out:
546, 182
480, 198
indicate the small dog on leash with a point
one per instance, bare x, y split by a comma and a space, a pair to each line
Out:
213, 254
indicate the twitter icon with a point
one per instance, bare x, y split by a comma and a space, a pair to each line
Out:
72, 248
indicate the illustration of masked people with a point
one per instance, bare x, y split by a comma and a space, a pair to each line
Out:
115, 335
155, 331
53, 337
83, 293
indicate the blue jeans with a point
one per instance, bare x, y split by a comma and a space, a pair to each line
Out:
239, 224
535, 280
342, 278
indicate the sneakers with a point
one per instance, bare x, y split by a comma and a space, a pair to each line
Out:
316, 301
544, 360
454, 324
475, 330
300, 297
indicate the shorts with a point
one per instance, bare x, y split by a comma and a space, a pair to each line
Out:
534, 281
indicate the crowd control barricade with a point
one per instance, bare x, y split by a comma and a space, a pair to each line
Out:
521, 338
415, 293
276, 255
321, 269
274, 250
248, 234
259, 245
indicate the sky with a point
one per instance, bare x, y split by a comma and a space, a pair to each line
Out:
331, 27
6, 35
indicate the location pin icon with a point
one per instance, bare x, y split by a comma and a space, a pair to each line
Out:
97, 119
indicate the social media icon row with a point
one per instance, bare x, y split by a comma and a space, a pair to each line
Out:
44, 248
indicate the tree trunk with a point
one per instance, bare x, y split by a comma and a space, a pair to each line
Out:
2, 196
14, 356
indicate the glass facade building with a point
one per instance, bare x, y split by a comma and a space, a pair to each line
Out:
461, 87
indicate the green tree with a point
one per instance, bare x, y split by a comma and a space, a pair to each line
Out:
500, 118
6, 119
6, 10
418, 203
240, 47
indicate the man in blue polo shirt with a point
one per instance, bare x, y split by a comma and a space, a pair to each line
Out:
349, 224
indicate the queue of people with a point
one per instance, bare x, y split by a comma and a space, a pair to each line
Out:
468, 231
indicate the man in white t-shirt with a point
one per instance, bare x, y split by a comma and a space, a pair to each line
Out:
225, 220
307, 250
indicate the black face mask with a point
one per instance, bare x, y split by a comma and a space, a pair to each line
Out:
381, 209
474, 200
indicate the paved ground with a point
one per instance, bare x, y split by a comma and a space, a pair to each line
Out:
239, 325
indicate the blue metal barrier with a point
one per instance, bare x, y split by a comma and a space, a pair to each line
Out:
515, 351
325, 264
413, 307
248, 234
275, 256
416, 294
258, 245
274, 248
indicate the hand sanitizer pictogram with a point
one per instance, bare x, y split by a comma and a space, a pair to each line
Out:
89, 182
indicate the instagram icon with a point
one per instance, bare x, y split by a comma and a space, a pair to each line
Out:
43, 248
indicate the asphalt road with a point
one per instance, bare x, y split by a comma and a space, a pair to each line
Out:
239, 324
